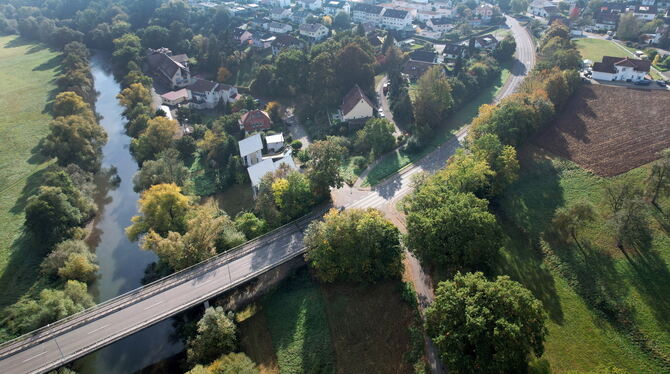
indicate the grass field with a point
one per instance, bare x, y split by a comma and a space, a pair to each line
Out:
594, 50
27, 72
575, 286
307, 327
401, 158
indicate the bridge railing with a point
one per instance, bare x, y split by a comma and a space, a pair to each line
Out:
110, 306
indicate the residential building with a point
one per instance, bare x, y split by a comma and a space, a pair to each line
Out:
281, 28
255, 120
279, 14
605, 21
487, 42
284, 41
314, 31
176, 97
207, 94
275, 142
268, 165
363, 13
620, 69
453, 51
538, 8
260, 23
415, 69
300, 16
333, 7
356, 105
423, 56
644, 12
442, 24
170, 69
395, 19
241, 36
485, 11
251, 150
263, 40
310, 4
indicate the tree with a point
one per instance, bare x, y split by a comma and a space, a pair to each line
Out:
75, 139
354, 245
505, 49
127, 50
433, 100
569, 220
377, 135
167, 168
207, 232
629, 28
133, 95
519, 6
323, 167
290, 70
250, 225
292, 195
163, 209
482, 326
51, 305
631, 227
216, 335
658, 182
223, 74
342, 21
274, 110
231, 363
69, 103
500, 158
76, 253
51, 216
79, 267
158, 136
450, 228
353, 65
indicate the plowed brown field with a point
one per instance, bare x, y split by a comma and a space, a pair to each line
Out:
610, 130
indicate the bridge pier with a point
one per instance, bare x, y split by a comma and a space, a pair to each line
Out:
206, 304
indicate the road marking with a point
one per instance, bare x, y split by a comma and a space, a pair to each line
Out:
35, 356
98, 329
151, 306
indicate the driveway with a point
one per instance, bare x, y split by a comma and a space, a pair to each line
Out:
384, 105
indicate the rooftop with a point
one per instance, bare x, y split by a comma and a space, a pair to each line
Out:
250, 145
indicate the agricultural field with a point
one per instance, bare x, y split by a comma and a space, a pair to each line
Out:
308, 327
27, 72
606, 306
610, 130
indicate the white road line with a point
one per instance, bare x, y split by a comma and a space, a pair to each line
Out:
151, 306
98, 329
35, 356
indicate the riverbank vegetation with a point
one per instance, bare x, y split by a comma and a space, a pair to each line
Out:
58, 211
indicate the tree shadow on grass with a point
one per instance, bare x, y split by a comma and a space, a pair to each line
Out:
33, 182
22, 271
54, 62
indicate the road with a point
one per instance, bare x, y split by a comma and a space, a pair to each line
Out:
78, 335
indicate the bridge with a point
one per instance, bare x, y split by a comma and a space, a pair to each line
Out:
75, 336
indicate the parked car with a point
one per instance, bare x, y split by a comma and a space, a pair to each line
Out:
661, 83
643, 82
381, 113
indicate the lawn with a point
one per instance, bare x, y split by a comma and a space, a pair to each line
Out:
27, 72
594, 50
577, 288
308, 327
401, 158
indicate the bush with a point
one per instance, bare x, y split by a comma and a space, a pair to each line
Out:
296, 145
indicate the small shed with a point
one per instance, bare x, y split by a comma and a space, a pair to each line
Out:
275, 142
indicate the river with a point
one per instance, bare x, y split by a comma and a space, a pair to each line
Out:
122, 262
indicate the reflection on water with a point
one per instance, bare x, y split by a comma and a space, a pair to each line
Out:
122, 262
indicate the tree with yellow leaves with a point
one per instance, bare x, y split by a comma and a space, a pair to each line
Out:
163, 209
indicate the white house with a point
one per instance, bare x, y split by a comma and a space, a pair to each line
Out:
268, 165
645, 12
314, 31
356, 105
537, 7
207, 94
605, 21
485, 11
363, 13
441, 24
275, 142
280, 28
251, 149
171, 68
278, 14
453, 51
333, 7
310, 4
395, 19
487, 41
620, 69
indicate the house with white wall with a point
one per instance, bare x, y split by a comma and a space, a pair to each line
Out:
620, 69
280, 28
356, 105
333, 7
171, 69
363, 13
395, 19
275, 142
251, 150
310, 4
313, 31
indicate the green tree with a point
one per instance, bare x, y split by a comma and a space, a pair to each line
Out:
501, 159
323, 167
342, 21
250, 225
433, 100
79, 267
568, 221
482, 326
519, 6
354, 245
628, 28
167, 168
377, 135
658, 182
216, 335
231, 363
159, 135
292, 195
75, 139
353, 65
57, 258
127, 50
51, 216
450, 228
69, 103
505, 49
163, 209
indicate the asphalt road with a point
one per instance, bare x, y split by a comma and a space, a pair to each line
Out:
105, 323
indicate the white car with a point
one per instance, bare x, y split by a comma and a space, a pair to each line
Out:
381, 113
